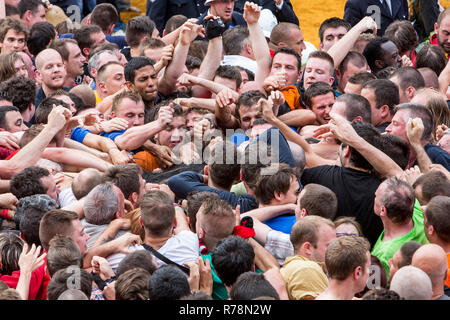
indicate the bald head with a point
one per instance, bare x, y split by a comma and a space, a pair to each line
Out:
72, 294
411, 283
432, 260
85, 181
45, 56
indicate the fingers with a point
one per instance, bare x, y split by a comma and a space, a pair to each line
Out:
237, 214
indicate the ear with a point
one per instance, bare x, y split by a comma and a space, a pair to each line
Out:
330, 82
338, 74
358, 118
111, 29
133, 197
102, 86
249, 49
384, 111
303, 213
129, 85
379, 64
357, 273
206, 170
140, 222
174, 223
278, 196
86, 52
164, 33
307, 248
38, 75
430, 230
200, 233
282, 44
117, 215
347, 151
410, 92
383, 212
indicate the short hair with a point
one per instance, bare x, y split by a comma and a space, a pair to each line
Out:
10, 250
9, 23
28, 182
32, 5
248, 99
422, 112
29, 213
41, 34
85, 93
229, 72
353, 57
195, 200
83, 36
134, 64
386, 73
348, 220
193, 63
344, 254
20, 91
198, 49
157, 217
398, 198
381, 294
319, 200
281, 32
104, 15
150, 43
234, 40
251, 285
411, 283
3, 111
174, 22
223, 164
361, 77
218, 219
142, 259
60, 45
279, 182
102, 74
117, 100
332, 23
433, 57
317, 89
124, 176
438, 216
403, 35
168, 283
433, 183
56, 222
306, 229
110, 46
94, 58
255, 159
72, 294
373, 51
62, 253
133, 285
137, 28
10, 294
101, 204
430, 77
290, 51
232, 257
385, 92
356, 106
409, 77
11, 10
396, 148
60, 280
45, 108
324, 56
407, 251
85, 181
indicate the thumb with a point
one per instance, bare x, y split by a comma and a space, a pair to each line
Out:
237, 214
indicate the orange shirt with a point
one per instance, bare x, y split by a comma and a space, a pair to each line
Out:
447, 283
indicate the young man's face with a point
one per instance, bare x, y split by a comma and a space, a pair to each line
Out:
326, 234
391, 57
173, 134
288, 64
223, 9
39, 16
52, 189
14, 122
69, 101
321, 106
14, 42
79, 236
146, 83
53, 71
75, 61
294, 189
331, 36
369, 94
115, 79
348, 72
131, 111
248, 115
296, 41
317, 70
192, 118
230, 83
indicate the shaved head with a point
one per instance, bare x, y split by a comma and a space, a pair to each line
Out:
46, 55
432, 260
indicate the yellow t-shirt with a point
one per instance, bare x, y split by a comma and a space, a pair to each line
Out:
97, 98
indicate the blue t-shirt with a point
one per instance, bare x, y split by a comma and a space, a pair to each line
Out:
78, 134
112, 135
283, 223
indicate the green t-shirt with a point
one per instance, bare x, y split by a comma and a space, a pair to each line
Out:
238, 189
219, 290
385, 250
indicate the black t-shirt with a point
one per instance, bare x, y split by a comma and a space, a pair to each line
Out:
355, 191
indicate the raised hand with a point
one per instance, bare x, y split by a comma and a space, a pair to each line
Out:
115, 124
414, 130
251, 12
165, 115
167, 54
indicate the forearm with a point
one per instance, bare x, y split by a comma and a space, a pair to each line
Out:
225, 119
340, 49
444, 80
263, 259
103, 250
298, 118
135, 137
23, 285
75, 145
77, 207
4, 186
75, 158
107, 235
203, 103
171, 37
422, 157
265, 213
261, 53
212, 59
167, 84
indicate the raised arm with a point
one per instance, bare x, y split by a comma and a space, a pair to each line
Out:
414, 130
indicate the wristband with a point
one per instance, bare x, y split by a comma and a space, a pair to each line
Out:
5, 214
214, 28
245, 229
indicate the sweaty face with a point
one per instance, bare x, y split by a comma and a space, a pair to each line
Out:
321, 106
53, 71
317, 70
288, 64
131, 111
14, 122
173, 134
115, 79
248, 115
331, 36
443, 34
223, 9
13, 42
146, 83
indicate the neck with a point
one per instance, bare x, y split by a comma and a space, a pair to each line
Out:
47, 90
156, 242
134, 52
211, 184
394, 230
339, 290
438, 290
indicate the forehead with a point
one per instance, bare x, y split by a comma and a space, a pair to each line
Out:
178, 122
445, 23
114, 69
284, 58
51, 58
145, 71
334, 31
323, 99
389, 46
13, 115
248, 111
127, 105
14, 33
318, 63
401, 116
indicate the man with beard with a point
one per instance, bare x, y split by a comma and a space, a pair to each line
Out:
441, 36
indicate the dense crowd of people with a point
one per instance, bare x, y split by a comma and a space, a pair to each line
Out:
206, 151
